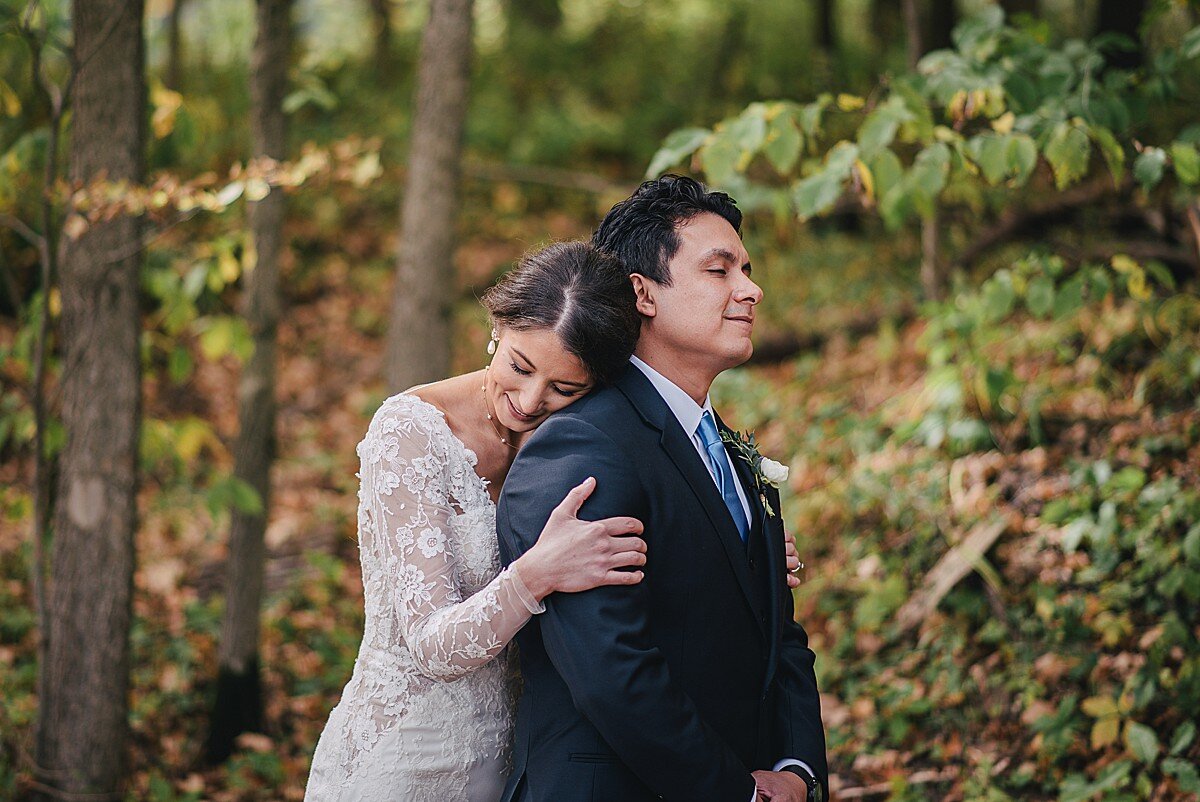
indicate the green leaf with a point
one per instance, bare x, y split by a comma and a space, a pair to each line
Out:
931, 168
1148, 168
998, 297
719, 158
1069, 298
782, 147
1190, 46
885, 166
1184, 773
1141, 742
992, 157
179, 364
1068, 152
748, 130
1185, 733
1187, 162
817, 193
1110, 148
1039, 296
879, 129
675, 147
1022, 158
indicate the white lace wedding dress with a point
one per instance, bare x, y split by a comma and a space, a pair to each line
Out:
427, 714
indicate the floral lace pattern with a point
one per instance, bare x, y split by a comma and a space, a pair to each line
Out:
428, 709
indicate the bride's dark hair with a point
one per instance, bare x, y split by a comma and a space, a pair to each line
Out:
580, 293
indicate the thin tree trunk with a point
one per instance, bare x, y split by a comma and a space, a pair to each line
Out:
912, 28
1014, 7
238, 706
381, 14
933, 278
174, 78
1122, 17
943, 16
418, 340
82, 726
933, 273
826, 39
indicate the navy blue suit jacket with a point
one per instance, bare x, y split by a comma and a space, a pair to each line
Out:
677, 687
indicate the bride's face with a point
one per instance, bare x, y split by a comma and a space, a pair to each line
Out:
531, 376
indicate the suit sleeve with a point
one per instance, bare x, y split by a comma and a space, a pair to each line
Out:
799, 729
599, 640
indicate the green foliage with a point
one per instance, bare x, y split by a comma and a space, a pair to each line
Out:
994, 107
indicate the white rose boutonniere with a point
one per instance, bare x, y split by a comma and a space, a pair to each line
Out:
765, 471
776, 473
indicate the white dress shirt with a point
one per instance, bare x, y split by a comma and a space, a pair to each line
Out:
689, 413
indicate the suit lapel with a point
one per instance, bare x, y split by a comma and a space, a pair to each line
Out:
761, 527
678, 446
681, 451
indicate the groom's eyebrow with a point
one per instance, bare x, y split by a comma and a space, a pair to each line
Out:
529, 362
725, 255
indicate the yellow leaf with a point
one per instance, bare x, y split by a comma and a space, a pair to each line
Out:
1137, 286
1099, 706
1004, 123
9, 100
1124, 264
847, 102
1105, 731
74, 226
166, 104
257, 189
229, 267
55, 302
865, 178
249, 254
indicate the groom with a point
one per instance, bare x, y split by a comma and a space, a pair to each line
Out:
695, 684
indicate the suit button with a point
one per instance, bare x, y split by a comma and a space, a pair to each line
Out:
752, 564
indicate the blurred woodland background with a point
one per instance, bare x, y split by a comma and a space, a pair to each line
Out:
978, 229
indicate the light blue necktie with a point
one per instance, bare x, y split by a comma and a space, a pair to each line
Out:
720, 468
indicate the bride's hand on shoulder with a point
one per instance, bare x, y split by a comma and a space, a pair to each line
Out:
573, 555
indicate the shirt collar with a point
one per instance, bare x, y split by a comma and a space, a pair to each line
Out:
686, 411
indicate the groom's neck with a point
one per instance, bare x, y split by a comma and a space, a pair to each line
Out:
695, 380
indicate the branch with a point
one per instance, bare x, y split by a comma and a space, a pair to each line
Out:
545, 176
1015, 221
774, 349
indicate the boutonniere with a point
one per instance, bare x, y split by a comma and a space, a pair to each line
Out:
765, 471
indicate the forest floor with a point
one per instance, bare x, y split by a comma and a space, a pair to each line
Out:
970, 676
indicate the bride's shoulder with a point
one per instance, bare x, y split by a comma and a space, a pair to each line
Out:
406, 414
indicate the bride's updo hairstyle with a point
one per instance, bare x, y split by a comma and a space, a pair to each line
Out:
581, 294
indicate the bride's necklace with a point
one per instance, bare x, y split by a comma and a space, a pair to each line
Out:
488, 411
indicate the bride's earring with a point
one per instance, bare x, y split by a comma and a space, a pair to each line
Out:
491, 349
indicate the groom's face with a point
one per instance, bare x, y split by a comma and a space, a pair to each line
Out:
706, 314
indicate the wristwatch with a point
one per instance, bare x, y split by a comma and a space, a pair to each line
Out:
816, 791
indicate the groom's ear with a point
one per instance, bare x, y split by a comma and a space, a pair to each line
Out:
643, 290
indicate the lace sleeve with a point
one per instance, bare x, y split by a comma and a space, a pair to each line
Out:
406, 498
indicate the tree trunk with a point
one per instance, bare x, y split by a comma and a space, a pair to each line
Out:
174, 78
943, 16
381, 14
418, 340
238, 706
826, 40
1014, 7
1122, 17
912, 28
82, 728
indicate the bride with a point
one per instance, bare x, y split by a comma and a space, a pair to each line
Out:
427, 713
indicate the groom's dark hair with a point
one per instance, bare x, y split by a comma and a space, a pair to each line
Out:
642, 230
